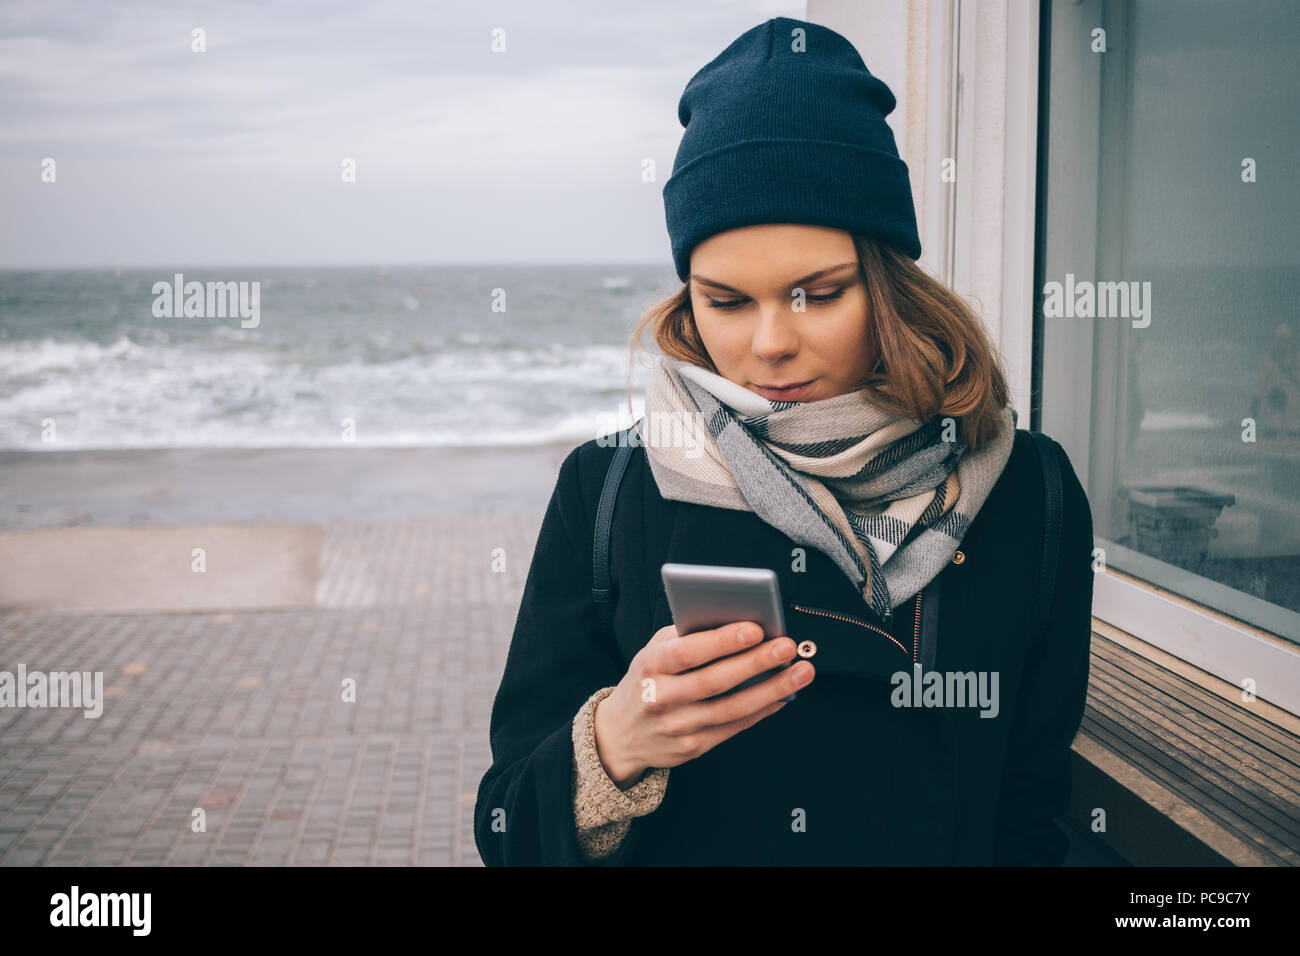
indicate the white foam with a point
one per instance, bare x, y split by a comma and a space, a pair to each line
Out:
157, 396
30, 358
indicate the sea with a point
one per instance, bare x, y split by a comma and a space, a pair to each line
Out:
373, 355
392, 356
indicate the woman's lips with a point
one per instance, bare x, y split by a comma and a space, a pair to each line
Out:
795, 394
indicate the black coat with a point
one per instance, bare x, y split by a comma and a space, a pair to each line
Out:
841, 775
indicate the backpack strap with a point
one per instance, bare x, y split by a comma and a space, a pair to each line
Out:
602, 592
1051, 529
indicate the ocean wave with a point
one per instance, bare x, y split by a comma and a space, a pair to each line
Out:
36, 356
126, 395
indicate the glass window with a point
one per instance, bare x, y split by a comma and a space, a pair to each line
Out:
1169, 290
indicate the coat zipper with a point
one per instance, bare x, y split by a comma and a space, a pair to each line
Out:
916, 629
916, 626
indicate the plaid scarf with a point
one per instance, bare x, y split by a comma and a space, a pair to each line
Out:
884, 496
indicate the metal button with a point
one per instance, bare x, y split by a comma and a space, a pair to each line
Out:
958, 558
806, 649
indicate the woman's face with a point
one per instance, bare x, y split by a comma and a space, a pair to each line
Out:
743, 284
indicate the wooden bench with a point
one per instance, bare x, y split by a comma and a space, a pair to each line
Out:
1188, 774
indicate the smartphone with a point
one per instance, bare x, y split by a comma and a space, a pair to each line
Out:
704, 596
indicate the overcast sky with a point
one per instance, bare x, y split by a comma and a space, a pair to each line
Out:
168, 157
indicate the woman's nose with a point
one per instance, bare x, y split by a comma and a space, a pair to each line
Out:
774, 336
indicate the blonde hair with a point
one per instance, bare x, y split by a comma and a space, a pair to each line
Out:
933, 356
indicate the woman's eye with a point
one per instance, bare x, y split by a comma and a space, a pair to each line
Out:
728, 304
826, 298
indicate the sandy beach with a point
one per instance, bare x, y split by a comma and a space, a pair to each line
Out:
43, 489
117, 530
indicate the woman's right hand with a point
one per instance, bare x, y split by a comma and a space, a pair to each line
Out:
659, 714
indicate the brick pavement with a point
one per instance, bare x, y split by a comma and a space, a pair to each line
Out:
240, 713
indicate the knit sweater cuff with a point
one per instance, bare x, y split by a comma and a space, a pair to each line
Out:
602, 812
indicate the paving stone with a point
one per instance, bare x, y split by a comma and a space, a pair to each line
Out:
240, 713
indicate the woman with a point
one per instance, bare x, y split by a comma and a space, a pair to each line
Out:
858, 442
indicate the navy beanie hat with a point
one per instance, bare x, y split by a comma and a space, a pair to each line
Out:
787, 127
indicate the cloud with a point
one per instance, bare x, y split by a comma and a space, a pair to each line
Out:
584, 92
